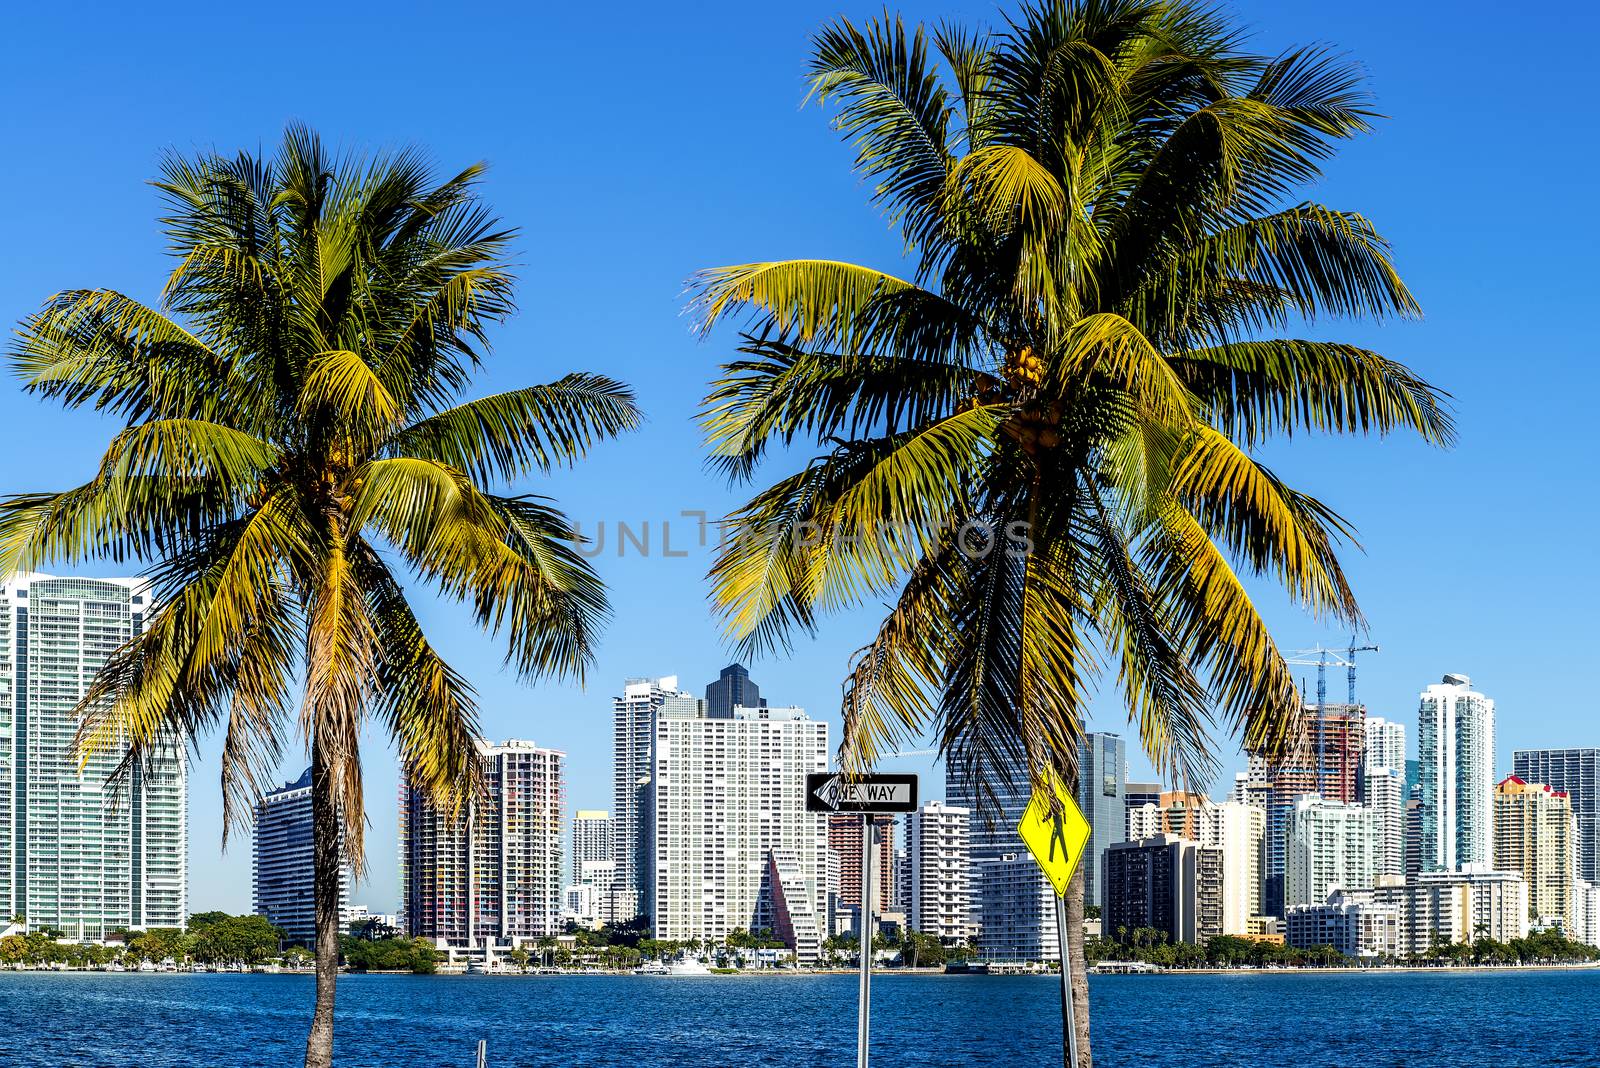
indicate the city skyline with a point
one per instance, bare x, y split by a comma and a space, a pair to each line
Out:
1510, 425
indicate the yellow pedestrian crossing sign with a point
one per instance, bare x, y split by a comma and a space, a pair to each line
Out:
1056, 833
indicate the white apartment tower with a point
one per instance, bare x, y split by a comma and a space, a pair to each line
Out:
939, 844
1383, 791
1383, 745
80, 851
282, 863
734, 844
1329, 845
492, 878
1455, 750
633, 762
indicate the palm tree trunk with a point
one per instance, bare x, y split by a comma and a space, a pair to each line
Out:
325, 865
1080, 973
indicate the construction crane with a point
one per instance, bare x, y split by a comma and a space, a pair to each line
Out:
1321, 657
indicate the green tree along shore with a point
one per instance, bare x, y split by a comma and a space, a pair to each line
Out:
1150, 946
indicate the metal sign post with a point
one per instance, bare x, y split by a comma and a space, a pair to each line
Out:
1069, 1020
868, 795
864, 940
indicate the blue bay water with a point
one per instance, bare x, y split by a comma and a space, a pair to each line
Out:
1189, 1021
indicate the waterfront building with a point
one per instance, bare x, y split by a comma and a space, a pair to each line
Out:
1440, 907
844, 839
1018, 906
902, 881
282, 864
634, 716
591, 843
1351, 921
995, 807
1324, 758
1576, 772
1331, 845
938, 843
1102, 770
594, 867
1165, 882
1236, 828
83, 850
734, 845
733, 689
1534, 836
1455, 747
1586, 913
490, 879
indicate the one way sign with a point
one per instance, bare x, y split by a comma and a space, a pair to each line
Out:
835, 792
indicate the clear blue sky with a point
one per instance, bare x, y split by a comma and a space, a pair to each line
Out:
633, 145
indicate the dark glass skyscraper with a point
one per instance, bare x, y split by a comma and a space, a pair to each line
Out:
1577, 771
734, 689
1102, 769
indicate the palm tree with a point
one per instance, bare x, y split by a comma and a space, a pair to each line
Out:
1041, 442
294, 431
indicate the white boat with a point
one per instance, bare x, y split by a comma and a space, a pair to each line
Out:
688, 966
652, 967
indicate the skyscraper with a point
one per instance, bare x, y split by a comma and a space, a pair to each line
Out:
994, 810
734, 688
591, 842
633, 759
1136, 795
492, 878
1169, 883
941, 871
1455, 748
282, 864
1102, 769
1384, 744
1383, 789
1533, 836
734, 844
1330, 845
844, 838
1577, 772
79, 851
1325, 759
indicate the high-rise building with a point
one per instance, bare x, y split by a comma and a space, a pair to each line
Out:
594, 873
1018, 909
591, 843
734, 845
1384, 744
283, 863
1102, 769
633, 761
938, 844
1577, 773
1533, 836
1330, 846
1136, 795
733, 689
844, 839
1455, 747
1324, 759
1413, 832
1383, 789
82, 849
996, 807
1165, 882
489, 879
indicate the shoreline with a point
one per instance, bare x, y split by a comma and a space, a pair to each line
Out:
876, 972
